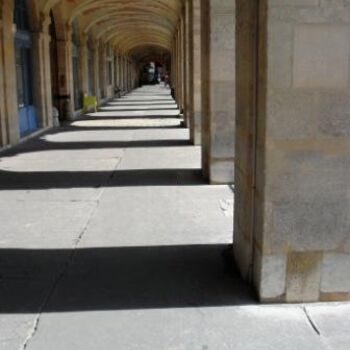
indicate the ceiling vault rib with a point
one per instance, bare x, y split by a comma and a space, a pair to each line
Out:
124, 24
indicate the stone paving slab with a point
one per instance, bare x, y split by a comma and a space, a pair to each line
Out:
224, 328
332, 321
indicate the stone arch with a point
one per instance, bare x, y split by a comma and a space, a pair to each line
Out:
105, 19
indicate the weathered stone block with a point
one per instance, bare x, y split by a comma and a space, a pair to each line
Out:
303, 276
222, 142
288, 109
312, 225
222, 171
334, 114
273, 276
336, 273
321, 56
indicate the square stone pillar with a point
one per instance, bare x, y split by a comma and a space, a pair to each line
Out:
196, 77
301, 152
114, 71
124, 74
183, 63
113, 80
178, 89
246, 118
42, 92
102, 71
117, 69
120, 71
84, 63
3, 122
189, 65
96, 60
65, 72
128, 74
9, 74
218, 90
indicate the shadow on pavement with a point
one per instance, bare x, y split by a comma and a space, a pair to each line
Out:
119, 279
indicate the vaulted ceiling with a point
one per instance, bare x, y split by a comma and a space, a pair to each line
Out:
127, 24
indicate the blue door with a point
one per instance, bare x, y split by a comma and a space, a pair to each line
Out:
26, 110
27, 116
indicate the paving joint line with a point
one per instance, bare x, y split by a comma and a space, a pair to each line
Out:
32, 332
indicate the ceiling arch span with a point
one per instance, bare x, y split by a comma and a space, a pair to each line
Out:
118, 18
157, 7
128, 46
123, 23
127, 31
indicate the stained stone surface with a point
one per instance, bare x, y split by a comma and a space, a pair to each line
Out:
299, 174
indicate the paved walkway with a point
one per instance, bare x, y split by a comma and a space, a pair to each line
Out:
111, 240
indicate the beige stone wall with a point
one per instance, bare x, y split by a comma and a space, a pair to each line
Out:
218, 54
302, 224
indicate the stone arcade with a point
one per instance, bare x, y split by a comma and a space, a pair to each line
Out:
264, 88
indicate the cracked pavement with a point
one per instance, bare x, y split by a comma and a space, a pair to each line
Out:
110, 239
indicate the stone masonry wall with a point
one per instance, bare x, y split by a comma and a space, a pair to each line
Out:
302, 222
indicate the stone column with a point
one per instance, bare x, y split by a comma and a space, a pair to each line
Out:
84, 63
9, 78
64, 57
115, 64
246, 119
42, 92
116, 69
126, 73
130, 76
96, 60
218, 90
173, 64
301, 241
189, 64
3, 122
112, 73
179, 70
123, 72
47, 71
196, 77
103, 73
119, 71
183, 67
42, 72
